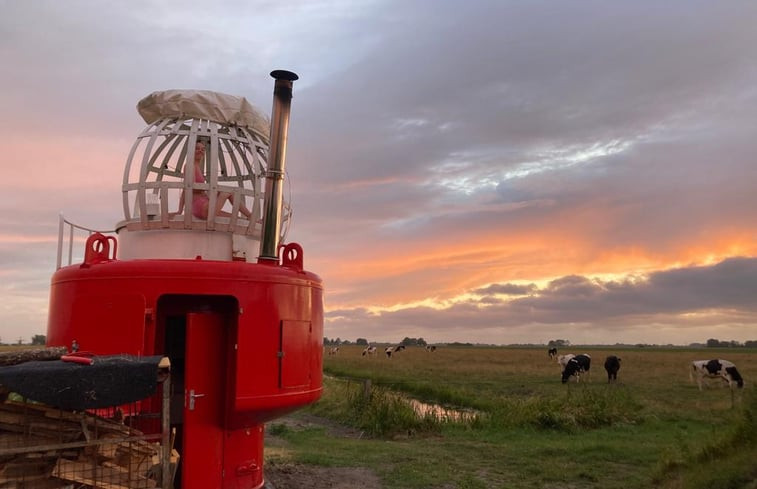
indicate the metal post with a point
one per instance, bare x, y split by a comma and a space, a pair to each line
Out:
60, 242
165, 478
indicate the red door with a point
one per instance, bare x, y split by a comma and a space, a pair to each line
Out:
202, 463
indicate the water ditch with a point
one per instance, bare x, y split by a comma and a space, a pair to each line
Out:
421, 408
440, 412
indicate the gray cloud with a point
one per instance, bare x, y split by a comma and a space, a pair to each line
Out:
506, 289
585, 307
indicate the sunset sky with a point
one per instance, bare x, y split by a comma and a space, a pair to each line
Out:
480, 171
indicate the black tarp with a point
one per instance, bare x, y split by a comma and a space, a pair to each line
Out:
109, 381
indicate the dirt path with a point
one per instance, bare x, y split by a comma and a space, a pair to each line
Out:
287, 475
294, 476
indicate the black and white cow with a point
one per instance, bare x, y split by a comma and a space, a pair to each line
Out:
612, 365
713, 369
393, 349
552, 352
333, 350
430, 348
564, 359
370, 350
576, 366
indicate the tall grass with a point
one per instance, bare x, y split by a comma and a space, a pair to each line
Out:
379, 413
383, 413
729, 461
584, 408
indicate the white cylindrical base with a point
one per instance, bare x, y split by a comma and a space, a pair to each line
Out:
174, 243
245, 248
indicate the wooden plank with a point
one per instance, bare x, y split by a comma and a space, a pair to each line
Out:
79, 444
99, 476
47, 483
134, 463
46, 417
107, 450
135, 478
23, 468
11, 440
60, 437
44, 413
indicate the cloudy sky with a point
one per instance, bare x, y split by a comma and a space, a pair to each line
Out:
485, 171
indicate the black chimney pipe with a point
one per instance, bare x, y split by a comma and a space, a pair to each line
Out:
282, 103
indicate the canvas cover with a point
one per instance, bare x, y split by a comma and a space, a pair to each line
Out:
204, 104
109, 381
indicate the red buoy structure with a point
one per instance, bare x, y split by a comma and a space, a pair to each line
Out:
197, 271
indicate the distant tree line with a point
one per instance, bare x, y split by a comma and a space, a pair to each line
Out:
338, 341
364, 342
559, 343
335, 342
715, 343
413, 342
37, 339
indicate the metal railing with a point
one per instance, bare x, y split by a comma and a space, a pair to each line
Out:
67, 236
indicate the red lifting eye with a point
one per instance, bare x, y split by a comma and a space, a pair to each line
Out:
98, 249
291, 256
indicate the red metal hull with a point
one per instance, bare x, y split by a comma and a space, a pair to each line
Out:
245, 342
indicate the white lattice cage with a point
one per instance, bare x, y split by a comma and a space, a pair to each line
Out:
236, 136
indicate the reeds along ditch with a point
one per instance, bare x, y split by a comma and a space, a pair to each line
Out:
383, 412
379, 412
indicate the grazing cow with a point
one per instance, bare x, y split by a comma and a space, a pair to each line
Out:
393, 349
333, 350
552, 352
370, 350
564, 359
716, 369
612, 365
576, 366
430, 348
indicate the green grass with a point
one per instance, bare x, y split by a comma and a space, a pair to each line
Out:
728, 461
653, 429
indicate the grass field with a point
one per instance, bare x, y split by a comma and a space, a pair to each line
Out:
653, 428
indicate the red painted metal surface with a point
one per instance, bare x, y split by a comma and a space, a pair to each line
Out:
248, 336
203, 405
